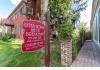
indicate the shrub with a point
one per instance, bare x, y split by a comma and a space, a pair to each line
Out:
74, 46
65, 31
82, 32
7, 36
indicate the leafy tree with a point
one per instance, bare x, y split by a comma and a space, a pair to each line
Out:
61, 17
77, 7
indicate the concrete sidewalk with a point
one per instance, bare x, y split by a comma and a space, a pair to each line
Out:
89, 56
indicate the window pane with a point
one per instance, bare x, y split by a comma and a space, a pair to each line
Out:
30, 11
96, 29
21, 11
99, 25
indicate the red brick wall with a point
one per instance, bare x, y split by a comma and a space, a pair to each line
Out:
18, 26
18, 20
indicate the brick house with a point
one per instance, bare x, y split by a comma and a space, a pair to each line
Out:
24, 11
95, 21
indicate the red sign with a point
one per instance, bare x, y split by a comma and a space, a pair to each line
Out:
33, 35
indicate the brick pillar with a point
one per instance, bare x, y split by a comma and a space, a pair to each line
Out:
66, 53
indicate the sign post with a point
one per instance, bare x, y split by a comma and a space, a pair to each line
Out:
47, 47
36, 35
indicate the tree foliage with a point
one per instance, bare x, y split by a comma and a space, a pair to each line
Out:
80, 5
59, 9
77, 7
61, 17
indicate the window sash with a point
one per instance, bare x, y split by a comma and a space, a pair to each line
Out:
30, 11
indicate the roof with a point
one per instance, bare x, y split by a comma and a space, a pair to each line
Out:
7, 21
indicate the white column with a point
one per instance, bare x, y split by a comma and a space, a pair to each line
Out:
44, 8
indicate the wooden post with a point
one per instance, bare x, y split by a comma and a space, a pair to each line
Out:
47, 34
47, 47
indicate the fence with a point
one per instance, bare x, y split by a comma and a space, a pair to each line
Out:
81, 40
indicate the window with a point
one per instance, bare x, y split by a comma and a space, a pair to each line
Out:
99, 24
13, 30
30, 11
93, 26
96, 29
21, 11
20, 30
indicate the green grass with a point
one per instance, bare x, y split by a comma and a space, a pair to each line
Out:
11, 56
55, 54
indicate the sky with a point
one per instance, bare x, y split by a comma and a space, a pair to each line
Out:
7, 6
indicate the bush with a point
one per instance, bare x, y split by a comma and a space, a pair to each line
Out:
65, 31
74, 46
82, 32
7, 37
78, 39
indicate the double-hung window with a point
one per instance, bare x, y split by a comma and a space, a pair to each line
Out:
21, 11
30, 11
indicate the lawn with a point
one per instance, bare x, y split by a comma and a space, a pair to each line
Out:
11, 56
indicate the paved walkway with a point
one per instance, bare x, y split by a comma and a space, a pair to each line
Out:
89, 56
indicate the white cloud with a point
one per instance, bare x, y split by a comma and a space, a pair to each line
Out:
15, 2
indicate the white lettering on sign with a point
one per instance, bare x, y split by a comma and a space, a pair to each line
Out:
33, 35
